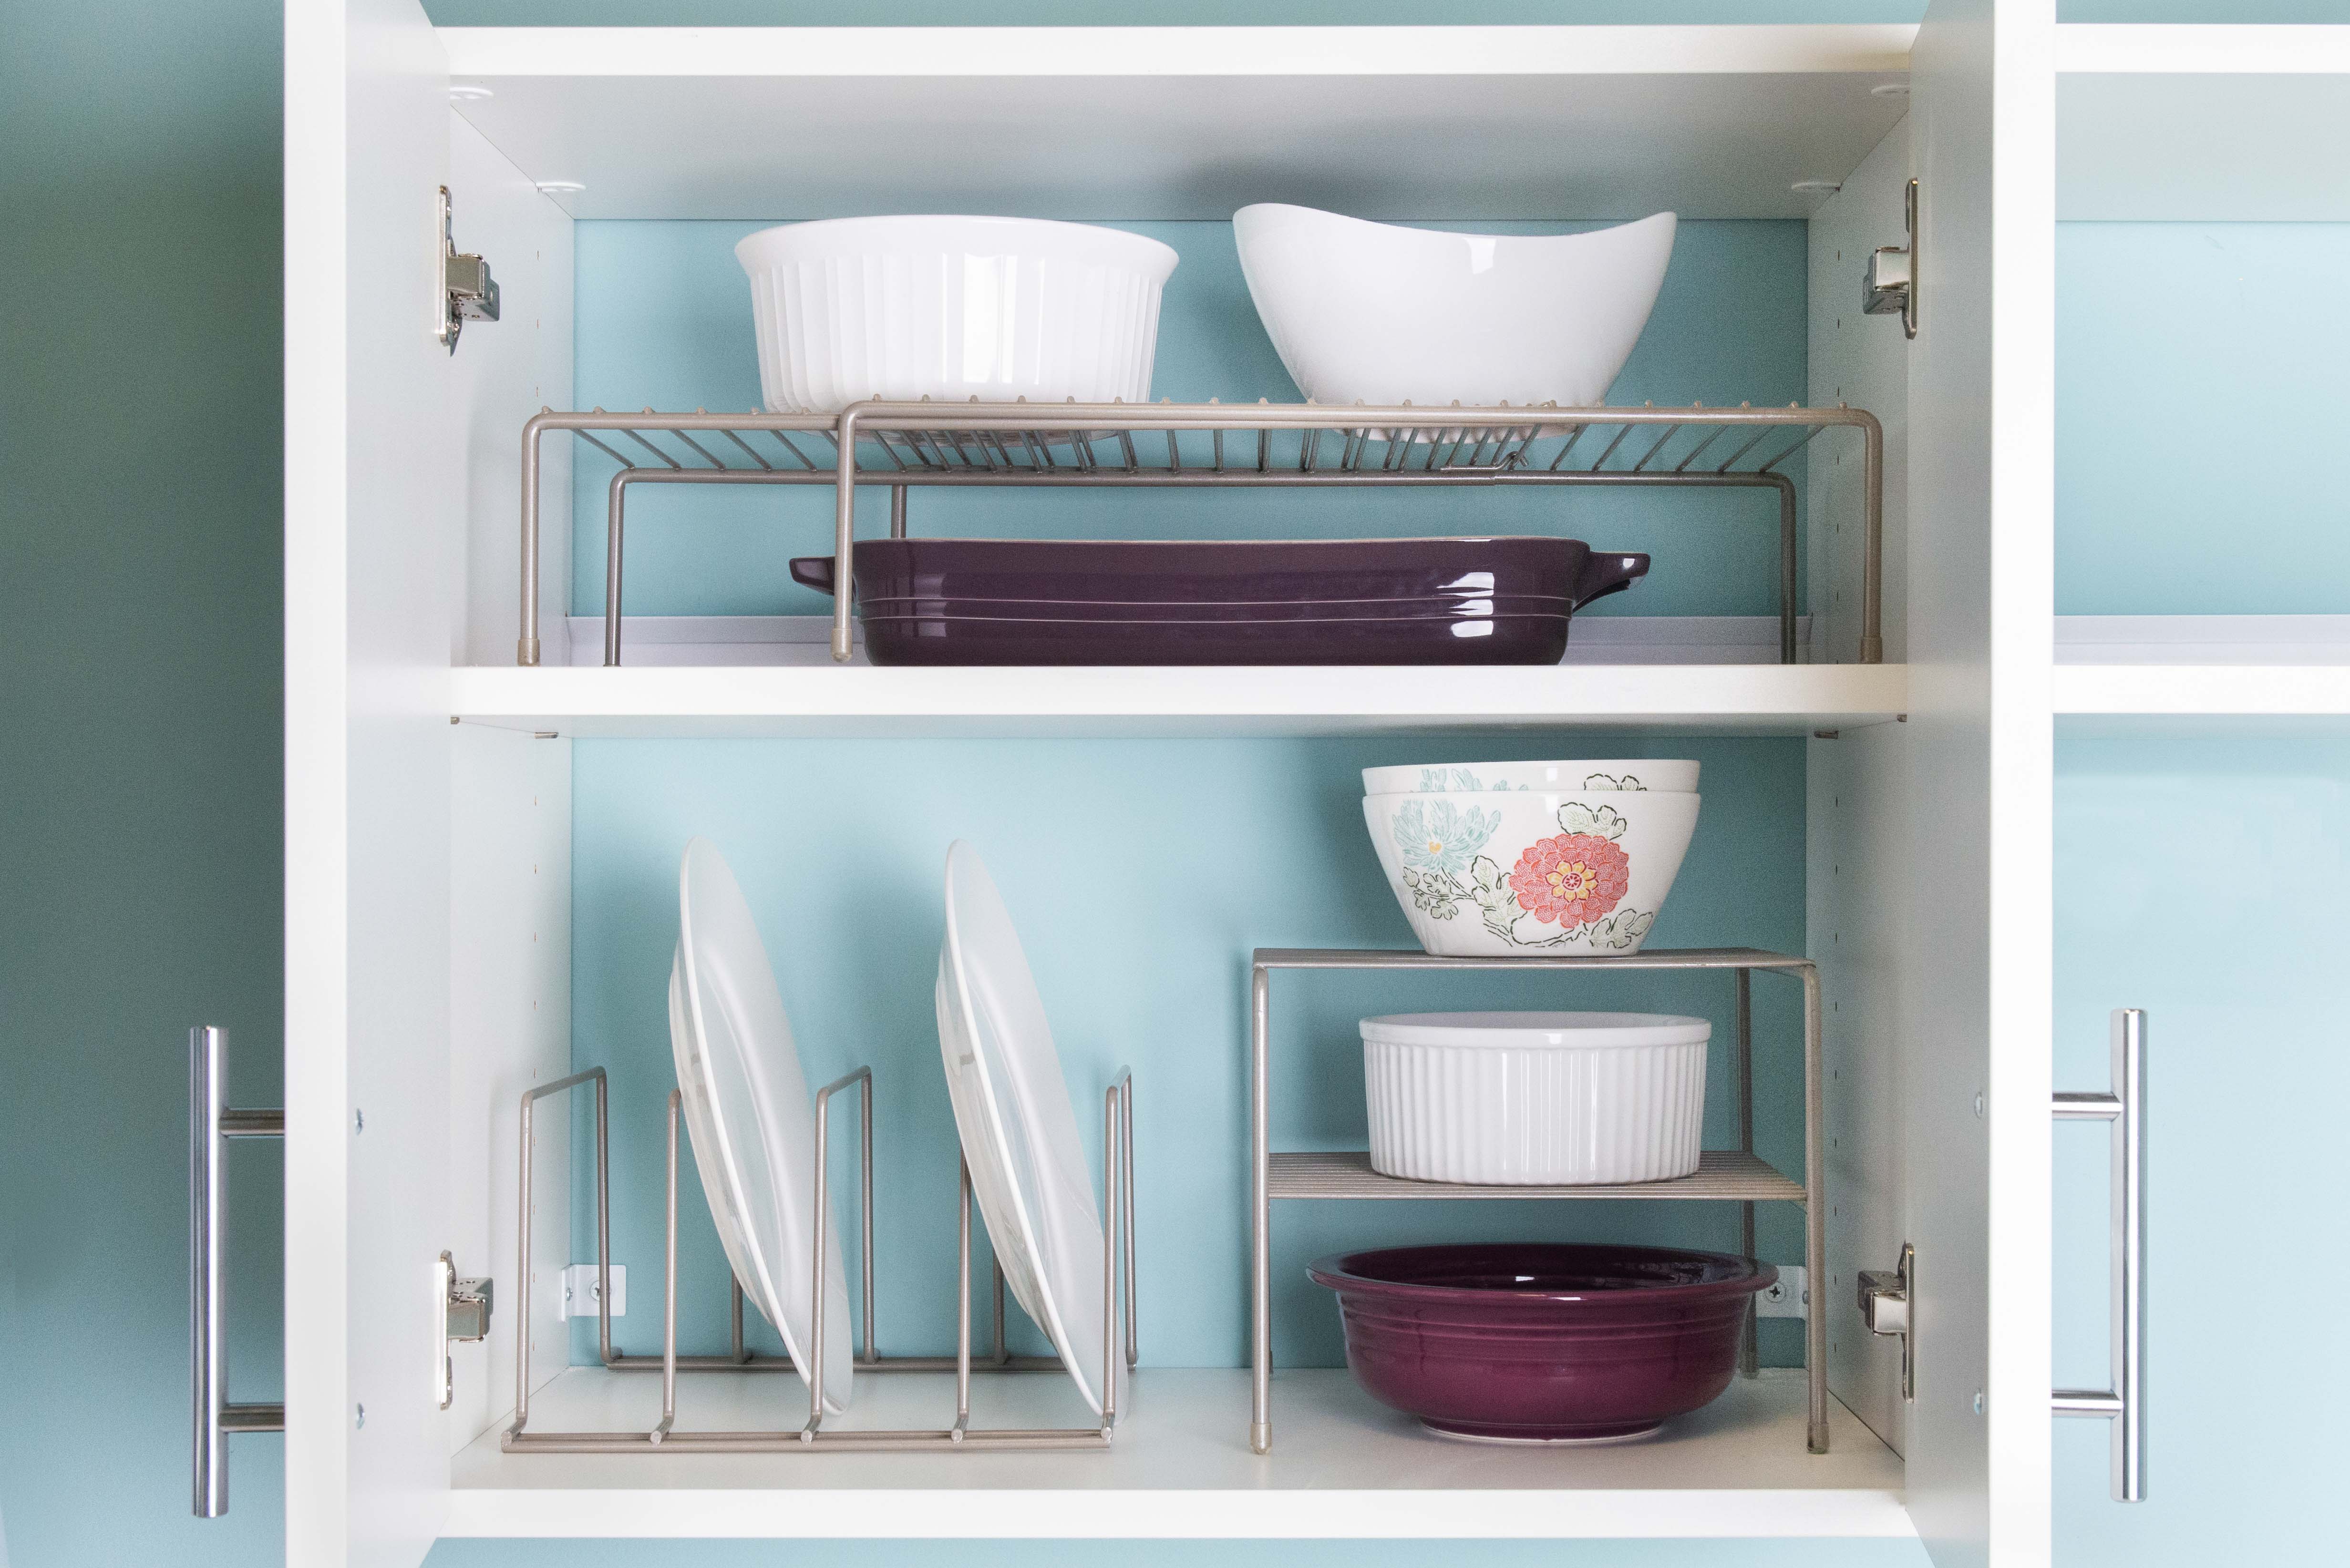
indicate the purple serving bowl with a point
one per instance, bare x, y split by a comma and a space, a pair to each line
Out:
1325, 601
1542, 1342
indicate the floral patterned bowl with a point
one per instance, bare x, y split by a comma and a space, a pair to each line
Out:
1586, 774
1531, 872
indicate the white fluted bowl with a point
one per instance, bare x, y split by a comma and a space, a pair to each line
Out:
1531, 873
1375, 313
952, 308
1675, 777
1535, 1099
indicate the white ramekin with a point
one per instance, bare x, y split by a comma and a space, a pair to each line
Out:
1535, 1099
952, 308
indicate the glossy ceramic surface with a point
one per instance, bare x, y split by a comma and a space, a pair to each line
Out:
1019, 1130
1542, 1342
1360, 601
1579, 773
1531, 872
1379, 314
1534, 1098
749, 1116
952, 308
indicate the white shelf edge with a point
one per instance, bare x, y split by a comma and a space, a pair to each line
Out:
1404, 51
1340, 1468
2108, 49
2193, 690
969, 1513
784, 699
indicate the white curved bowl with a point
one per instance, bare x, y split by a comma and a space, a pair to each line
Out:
1528, 873
1535, 1099
1575, 774
1374, 313
952, 308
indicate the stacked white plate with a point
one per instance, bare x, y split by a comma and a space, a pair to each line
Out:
1019, 1128
749, 1114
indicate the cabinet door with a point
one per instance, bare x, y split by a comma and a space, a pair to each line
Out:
2246, 1080
1980, 638
372, 515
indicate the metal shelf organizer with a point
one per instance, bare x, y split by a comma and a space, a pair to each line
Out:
1732, 1175
904, 446
814, 1436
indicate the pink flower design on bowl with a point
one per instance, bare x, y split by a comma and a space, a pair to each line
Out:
1571, 879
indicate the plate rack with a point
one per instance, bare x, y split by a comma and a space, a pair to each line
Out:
904, 446
1118, 1306
1729, 1175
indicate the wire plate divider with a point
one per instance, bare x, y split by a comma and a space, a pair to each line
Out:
1120, 1336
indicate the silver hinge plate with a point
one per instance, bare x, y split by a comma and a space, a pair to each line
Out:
1890, 287
467, 291
464, 1317
1884, 1301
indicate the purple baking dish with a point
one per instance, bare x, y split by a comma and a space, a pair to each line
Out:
1336, 601
1542, 1342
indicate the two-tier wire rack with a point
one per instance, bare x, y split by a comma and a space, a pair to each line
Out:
908, 446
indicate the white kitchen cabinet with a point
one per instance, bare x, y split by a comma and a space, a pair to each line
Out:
428, 829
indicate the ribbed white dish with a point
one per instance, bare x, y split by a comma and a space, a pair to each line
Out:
1535, 1099
952, 308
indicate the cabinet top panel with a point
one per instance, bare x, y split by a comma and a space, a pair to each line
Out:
1184, 122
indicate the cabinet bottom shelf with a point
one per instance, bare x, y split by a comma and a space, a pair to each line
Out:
1341, 1466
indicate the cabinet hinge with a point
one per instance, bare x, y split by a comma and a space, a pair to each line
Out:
464, 1306
466, 290
1885, 1299
1890, 287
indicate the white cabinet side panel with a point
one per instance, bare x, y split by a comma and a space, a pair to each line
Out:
506, 371
372, 553
1863, 361
510, 1028
1861, 790
1981, 633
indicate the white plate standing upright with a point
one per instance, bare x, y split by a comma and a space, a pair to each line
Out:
748, 1112
1018, 1124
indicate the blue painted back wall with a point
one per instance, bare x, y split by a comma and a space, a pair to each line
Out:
664, 320
2200, 402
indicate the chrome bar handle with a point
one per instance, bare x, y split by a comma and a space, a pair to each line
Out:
2122, 1403
211, 1416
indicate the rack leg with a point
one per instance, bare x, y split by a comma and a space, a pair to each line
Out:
669, 1289
963, 1302
1261, 1198
1750, 1362
734, 1345
897, 511
1001, 1352
615, 522
1815, 1207
1786, 570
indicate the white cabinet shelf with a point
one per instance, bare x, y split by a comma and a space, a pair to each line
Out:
1183, 123
1724, 699
1341, 1466
2189, 667
2213, 124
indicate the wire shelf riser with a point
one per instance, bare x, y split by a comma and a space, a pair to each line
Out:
906, 446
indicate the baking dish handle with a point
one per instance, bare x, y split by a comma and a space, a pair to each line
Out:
815, 572
1602, 575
